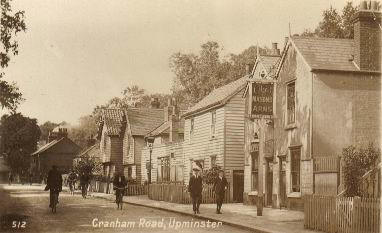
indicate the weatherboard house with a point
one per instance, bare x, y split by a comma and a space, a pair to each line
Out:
121, 134
327, 96
59, 151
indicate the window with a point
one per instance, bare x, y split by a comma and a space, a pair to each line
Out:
165, 169
191, 127
213, 123
255, 169
295, 155
129, 172
291, 103
213, 161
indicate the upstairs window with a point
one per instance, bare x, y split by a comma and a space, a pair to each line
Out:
291, 103
213, 123
191, 128
295, 155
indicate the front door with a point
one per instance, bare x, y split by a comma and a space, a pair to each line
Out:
238, 185
283, 196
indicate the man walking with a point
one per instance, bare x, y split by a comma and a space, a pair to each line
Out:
220, 186
54, 183
195, 189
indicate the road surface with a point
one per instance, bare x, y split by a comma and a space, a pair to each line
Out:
24, 208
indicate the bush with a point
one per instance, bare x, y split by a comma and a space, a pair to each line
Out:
88, 166
210, 175
357, 161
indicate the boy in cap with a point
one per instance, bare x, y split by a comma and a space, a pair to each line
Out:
220, 186
195, 189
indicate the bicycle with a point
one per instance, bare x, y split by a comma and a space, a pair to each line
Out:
71, 187
54, 201
119, 196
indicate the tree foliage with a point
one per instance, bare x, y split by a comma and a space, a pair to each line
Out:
19, 139
86, 129
88, 166
357, 161
210, 175
196, 75
334, 24
46, 128
11, 25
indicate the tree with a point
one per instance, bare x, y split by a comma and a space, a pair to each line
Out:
46, 128
11, 25
85, 130
334, 25
19, 139
88, 166
357, 161
197, 75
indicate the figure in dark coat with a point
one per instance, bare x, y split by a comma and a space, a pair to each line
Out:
220, 186
119, 184
54, 183
195, 187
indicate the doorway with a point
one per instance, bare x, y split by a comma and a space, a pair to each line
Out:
238, 185
283, 195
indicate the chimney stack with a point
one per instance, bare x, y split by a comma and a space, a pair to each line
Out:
248, 68
367, 36
275, 51
170, 109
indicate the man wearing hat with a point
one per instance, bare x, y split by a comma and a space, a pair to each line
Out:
195, 187
220, 186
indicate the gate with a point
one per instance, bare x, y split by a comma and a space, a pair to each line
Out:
238, 185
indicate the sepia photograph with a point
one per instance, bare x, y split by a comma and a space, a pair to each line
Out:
187, 116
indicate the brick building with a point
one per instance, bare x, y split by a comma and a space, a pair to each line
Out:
327, 97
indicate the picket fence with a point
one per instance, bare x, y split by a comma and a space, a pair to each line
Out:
342, 214
178, 193
131, 190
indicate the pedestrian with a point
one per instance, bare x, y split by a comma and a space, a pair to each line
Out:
54, 183
220, 185
84, 182
119, 185
10, 178
195, 187
30, 178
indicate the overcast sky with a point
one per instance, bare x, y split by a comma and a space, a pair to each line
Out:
78, 54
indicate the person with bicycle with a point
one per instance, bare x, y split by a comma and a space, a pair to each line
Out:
72, 178
54, 184
84, 182
119, 185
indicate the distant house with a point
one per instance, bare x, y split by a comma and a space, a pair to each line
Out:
167, 149
121, 136
92, 152
59, 151
214, 134
327, 97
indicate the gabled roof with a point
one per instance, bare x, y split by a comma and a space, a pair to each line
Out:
47, 146
326, 53
89, 149
164, 128
113, 119
269, 62
143, 120
218, 96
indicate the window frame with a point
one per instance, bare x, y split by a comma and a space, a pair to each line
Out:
213, 124
295, 169
289, 112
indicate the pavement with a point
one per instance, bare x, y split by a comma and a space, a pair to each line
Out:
234, 214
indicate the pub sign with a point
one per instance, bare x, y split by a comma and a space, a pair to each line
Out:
262, 98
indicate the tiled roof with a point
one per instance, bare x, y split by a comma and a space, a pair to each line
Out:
113, 119
326, 53
143, 120
47, 146
94, 148
218, 96
270, 63
164, 128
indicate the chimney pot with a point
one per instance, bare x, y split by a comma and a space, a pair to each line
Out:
274, 45
363, 5
248, 68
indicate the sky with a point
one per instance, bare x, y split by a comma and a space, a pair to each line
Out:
77, 54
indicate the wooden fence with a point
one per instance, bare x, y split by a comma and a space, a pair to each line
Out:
177, 193
132, 190
326, 175
342, 214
